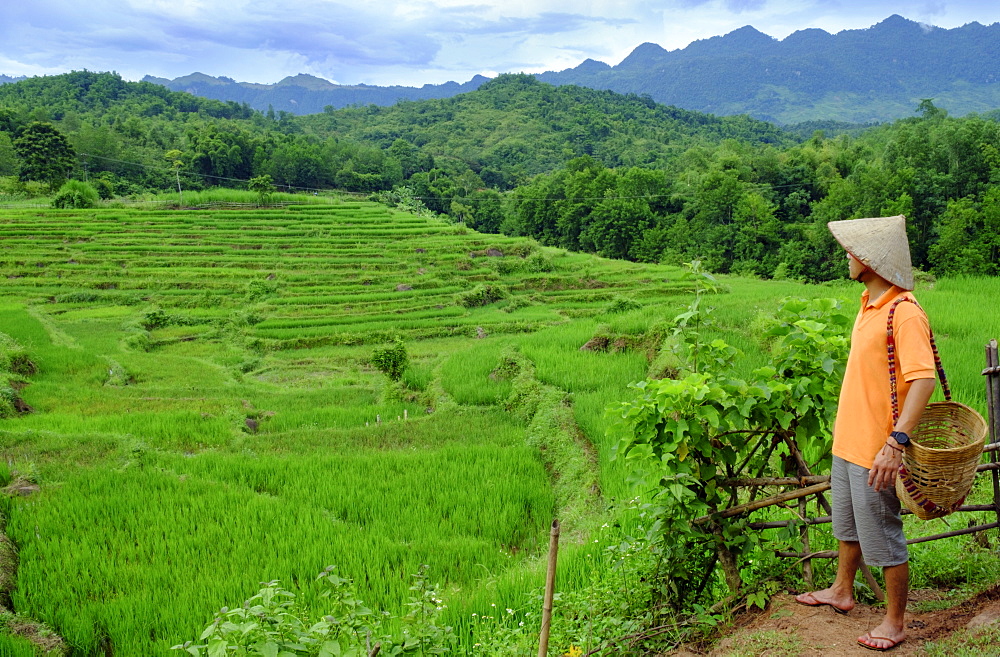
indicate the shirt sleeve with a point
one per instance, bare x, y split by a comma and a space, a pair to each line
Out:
913, 343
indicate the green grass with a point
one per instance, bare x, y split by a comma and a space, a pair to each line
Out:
966, 643
249, 437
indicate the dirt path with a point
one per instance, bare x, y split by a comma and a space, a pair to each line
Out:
821, 632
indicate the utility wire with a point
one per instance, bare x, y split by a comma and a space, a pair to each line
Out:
425, 198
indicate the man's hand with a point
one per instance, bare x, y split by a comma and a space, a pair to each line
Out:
883, 472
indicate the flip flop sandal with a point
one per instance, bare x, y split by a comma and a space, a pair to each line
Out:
817, 603
868, 637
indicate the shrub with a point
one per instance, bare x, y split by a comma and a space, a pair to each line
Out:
483, 295
76, 194
620, 305
105, 188
259, 289
505, 266
155, 318
538, 263
516, 303
391, 361
263, 186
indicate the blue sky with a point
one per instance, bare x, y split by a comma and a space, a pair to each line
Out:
409, 43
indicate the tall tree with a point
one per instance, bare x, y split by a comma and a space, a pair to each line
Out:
46, 155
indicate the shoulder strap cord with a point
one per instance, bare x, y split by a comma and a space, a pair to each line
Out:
911, 488
891, 343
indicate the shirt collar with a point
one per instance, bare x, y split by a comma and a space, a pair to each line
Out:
889, 295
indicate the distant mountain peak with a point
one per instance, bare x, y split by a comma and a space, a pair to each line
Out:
897, 23
308, 94
592, 66
306, 81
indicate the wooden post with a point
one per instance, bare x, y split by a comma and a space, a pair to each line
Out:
807, 566
550, 587
993, 410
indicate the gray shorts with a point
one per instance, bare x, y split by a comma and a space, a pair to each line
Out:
864, 516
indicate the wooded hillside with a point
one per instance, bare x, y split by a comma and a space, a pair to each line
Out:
587, 170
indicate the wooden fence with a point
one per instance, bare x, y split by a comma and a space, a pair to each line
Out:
808, 485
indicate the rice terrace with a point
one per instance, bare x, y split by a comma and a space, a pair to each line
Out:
204, 407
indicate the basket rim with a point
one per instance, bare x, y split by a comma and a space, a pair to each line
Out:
977, 445
951, 402
980, 438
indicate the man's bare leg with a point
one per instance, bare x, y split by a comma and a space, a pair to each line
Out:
897, 589
841, 593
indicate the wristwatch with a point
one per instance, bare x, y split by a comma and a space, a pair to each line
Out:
900, 438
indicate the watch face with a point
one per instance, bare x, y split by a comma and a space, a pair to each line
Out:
900, 437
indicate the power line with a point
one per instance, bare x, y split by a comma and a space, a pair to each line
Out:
426, 198
187, 173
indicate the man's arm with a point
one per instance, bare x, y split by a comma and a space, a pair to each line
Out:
883, 472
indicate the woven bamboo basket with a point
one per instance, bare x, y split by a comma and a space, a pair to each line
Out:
939, 466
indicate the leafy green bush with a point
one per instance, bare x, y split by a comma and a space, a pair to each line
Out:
76, 194
105, 188
538, 263
391, 361
272, 622
483, 295
504, 266
717, 420
259, 289
621, 304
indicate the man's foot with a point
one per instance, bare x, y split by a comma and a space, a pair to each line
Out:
826, 597
880, 643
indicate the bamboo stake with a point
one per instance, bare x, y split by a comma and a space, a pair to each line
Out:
825, 520
776, 481
550, 586
786, 496
832, 554
807, 566
993, 411
957, 532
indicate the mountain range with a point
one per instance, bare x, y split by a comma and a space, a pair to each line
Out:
876, 74
306, 94
860, 76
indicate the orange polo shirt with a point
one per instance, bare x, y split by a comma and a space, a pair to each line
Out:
864, 413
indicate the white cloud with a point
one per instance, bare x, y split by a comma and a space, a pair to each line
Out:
415, 42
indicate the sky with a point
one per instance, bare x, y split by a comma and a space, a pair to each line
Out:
406, 43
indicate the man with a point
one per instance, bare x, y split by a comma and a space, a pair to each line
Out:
867, 444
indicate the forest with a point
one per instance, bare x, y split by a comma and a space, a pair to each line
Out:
595, 171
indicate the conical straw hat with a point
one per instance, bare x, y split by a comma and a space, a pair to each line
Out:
880, 243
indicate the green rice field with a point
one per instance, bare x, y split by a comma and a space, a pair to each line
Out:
204, 414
